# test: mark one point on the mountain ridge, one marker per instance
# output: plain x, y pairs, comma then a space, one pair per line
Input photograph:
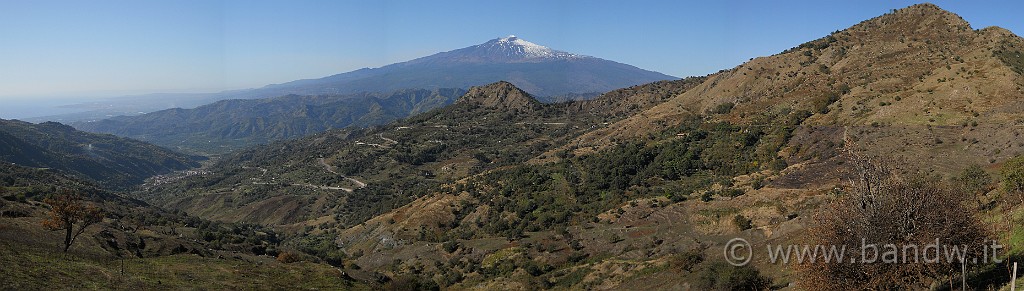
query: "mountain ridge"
231, 124
891, 68
512, 59
110, 161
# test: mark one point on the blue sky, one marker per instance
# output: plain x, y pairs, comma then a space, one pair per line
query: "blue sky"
94, 48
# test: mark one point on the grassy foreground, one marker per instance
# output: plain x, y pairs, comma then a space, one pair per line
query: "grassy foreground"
27, 268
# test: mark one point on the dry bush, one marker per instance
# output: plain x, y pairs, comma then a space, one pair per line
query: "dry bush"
882, 207
288, 257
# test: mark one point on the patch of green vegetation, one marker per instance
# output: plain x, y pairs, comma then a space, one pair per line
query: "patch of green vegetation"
322, 246
1017, 240
1013, 175
499, 255
506, 261
1011, 56
742, 222
708, 152
723, 276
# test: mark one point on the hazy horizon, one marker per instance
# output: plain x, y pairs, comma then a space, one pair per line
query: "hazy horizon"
67, 52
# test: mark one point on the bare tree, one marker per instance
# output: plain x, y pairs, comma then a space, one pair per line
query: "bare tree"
68, 209
880, 207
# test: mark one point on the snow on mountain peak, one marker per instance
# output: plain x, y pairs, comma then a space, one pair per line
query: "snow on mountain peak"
509, 49
517, 47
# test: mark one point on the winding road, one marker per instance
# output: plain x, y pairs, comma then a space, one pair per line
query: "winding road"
329, 168
308, 185
381, 135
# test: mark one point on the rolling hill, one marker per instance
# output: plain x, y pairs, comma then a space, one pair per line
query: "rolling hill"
228, 125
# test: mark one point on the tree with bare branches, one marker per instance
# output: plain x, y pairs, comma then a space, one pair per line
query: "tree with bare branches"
68, 209
880, 208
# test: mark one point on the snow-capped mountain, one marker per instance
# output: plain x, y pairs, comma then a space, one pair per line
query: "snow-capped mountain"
509, 49
539, 70
520, 48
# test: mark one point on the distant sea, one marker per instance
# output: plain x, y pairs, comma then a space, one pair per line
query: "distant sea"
22, 109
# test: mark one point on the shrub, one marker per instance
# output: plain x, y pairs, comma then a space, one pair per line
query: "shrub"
707, 196
733, 192
820, 104
757, 183
742, 222
723, 276
450, 246
974, 181
288, 258
777, 164
676, 197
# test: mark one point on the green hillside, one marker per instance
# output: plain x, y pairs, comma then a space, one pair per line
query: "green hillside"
110, 161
